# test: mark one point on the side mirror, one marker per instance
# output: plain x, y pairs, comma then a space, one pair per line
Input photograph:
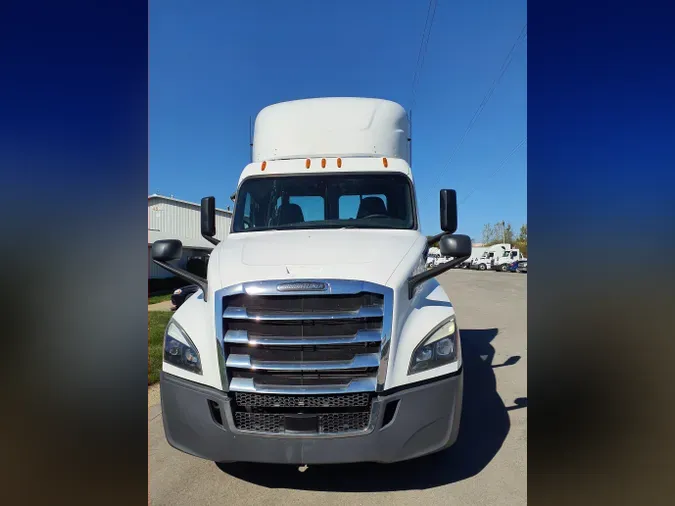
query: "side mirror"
455, 245
167, 250
172, 249
209, 219
449, 211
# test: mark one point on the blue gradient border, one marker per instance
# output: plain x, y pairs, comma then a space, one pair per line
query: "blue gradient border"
74, 158
601, 212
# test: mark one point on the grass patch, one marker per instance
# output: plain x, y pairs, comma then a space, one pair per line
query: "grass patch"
158, 298
157, 322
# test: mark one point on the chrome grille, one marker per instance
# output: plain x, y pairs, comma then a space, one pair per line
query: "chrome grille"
303, 362
274, 339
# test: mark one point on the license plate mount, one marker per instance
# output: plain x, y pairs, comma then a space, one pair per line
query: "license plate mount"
301, 423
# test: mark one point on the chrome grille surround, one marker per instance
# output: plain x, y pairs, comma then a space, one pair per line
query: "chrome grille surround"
269, 288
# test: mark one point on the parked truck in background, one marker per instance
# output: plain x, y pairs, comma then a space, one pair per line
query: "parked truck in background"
433, 255
318, 336
490, 253
504, 261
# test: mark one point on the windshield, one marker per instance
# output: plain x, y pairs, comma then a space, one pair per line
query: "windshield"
326, 201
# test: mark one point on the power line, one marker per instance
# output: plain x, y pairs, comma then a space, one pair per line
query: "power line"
424, 43
488, 95
497, 169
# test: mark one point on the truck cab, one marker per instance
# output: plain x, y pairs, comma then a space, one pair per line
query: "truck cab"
504, 262
484, 262
433, 256
318, 336
489, 256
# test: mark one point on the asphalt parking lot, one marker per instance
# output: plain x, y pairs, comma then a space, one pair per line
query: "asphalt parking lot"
487, 465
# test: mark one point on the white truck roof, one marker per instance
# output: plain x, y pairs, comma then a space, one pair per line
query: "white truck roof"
331, 127
500, 246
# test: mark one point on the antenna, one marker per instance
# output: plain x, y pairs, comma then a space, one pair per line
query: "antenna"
410, 137
250, 138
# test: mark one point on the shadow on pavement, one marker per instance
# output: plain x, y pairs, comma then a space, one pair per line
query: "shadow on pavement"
483, 428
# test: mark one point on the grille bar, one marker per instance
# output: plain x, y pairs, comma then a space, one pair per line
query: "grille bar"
358, 362
242, 337
353, 386
241, 313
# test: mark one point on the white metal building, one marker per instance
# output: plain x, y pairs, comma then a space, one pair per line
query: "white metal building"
170, 218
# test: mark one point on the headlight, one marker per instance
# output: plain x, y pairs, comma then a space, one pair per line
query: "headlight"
179, 350
439, 348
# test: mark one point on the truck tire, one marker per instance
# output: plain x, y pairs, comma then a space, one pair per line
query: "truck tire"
504, 267
481, 267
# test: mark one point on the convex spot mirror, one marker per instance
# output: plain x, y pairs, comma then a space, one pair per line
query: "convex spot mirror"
455, 245
167, 250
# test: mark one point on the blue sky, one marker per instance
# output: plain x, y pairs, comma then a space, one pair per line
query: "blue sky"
213, 64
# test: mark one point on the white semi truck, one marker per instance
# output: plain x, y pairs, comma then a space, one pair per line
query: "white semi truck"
433, 255
489, 256
508, 256
318, 336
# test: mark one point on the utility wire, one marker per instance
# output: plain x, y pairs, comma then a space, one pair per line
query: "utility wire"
488, 95
424, 43
497, 169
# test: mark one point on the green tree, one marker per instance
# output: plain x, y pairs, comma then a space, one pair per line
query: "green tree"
521, 241
508, 234
434, 245
488, 234
502, 232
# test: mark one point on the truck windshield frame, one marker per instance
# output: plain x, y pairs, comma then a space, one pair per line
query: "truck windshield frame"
325, 201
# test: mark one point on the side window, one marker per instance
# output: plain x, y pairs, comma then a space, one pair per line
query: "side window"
247, 212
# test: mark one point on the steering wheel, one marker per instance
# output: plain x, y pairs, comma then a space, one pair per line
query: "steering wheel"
376, 215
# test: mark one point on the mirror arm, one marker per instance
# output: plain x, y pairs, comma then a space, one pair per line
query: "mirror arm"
212, 240
432, 273
435, 238
187, 276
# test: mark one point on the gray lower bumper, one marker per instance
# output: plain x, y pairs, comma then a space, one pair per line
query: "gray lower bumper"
426, 421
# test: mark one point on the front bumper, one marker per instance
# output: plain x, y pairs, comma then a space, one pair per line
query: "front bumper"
426, 420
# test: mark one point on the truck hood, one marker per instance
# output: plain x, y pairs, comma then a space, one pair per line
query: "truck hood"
366, 255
